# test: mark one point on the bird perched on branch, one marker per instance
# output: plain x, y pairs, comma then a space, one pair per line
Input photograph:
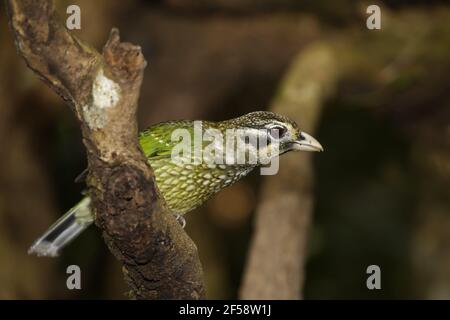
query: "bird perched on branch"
191, 171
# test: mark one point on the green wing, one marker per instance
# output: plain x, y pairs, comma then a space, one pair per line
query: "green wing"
156, 141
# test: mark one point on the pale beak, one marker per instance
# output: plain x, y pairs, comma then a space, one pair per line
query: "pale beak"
307, 143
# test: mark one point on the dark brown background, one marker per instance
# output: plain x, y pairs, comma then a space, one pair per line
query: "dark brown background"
381, 187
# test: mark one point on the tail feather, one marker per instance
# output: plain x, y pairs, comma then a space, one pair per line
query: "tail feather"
63, 231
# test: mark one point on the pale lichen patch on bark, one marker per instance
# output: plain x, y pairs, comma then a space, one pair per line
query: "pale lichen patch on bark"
105, 95
105, 92
94, 117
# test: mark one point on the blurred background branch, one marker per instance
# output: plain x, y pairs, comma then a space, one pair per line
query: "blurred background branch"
275, 267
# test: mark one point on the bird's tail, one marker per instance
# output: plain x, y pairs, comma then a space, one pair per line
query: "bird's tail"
63, 231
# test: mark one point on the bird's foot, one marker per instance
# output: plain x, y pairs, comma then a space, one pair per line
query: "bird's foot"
181, 220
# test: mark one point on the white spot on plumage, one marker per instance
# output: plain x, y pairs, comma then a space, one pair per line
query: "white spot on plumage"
162, 175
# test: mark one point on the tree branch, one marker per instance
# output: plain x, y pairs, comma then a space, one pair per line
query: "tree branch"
159, 260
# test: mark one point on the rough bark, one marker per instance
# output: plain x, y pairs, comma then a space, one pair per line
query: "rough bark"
159, 259
275, 267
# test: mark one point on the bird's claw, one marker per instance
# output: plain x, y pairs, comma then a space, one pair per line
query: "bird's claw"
181, 220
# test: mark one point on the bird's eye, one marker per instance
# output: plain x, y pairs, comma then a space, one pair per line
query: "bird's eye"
277, 132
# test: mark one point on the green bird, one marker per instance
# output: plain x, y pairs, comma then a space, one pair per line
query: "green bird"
187, 179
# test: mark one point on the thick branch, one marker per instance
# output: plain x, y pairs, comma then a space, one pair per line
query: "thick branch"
159, 259
275, 267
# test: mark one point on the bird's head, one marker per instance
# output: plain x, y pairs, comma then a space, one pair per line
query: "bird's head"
277, 130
